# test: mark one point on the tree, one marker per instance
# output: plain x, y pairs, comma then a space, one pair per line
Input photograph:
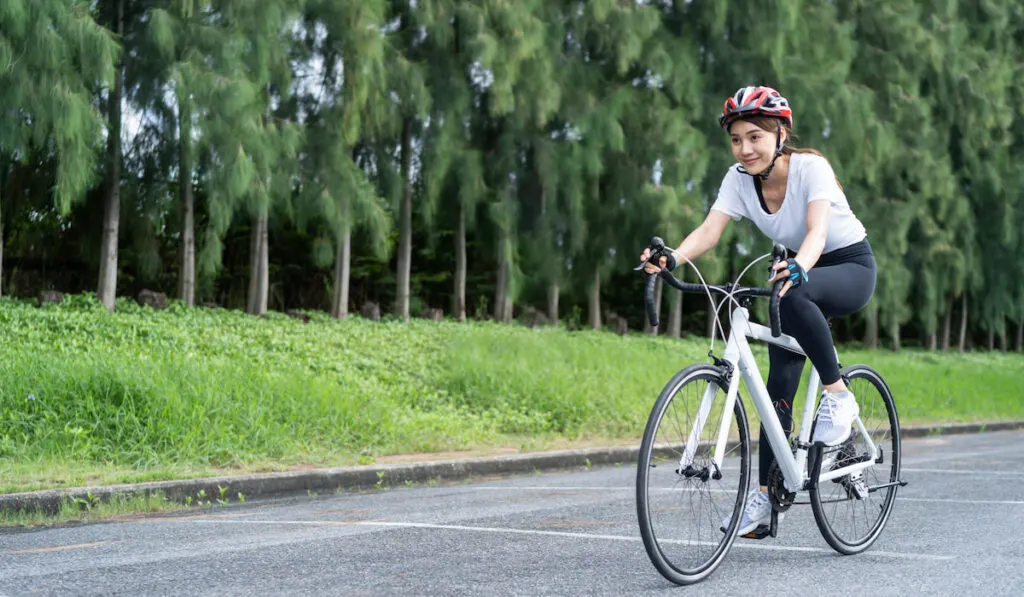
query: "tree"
114, 13
452, 164
410, 101
344, 38
50, 45
174, 77
266, 137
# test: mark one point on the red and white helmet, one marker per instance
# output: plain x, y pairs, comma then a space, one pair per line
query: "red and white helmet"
755, 101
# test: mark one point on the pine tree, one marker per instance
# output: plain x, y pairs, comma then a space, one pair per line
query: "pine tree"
50, 45
177, 53
452, 164
267, 136
344, 39
399, 124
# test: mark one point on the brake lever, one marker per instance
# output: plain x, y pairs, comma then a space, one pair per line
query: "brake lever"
657, 247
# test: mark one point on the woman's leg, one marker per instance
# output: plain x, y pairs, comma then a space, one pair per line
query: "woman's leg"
784, 371
835, 290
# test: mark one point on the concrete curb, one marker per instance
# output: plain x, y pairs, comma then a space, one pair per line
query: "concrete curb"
363, 477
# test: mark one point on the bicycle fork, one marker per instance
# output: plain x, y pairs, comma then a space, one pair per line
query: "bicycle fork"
707, 401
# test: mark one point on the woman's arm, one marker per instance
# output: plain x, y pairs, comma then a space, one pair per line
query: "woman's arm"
811, 248
817, 232
703, 238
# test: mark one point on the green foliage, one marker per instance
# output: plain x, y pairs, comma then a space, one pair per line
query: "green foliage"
52, 56
551, 138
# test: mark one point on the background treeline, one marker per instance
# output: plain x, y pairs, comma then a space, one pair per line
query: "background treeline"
499, 159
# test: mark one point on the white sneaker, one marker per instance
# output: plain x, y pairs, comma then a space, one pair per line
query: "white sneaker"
758, 512
836, 413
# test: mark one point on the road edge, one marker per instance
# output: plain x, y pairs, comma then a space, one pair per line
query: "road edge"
265, 485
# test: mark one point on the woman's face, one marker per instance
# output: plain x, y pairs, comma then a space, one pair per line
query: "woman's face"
752, 146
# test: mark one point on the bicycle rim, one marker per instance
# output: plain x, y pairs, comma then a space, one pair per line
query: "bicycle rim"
849, 519
681, 512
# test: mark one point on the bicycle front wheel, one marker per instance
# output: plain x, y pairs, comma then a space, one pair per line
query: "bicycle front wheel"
684, 498
852, 510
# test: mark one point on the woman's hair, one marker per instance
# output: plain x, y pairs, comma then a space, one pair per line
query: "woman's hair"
772, 124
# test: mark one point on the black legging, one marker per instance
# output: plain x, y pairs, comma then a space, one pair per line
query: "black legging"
841, 283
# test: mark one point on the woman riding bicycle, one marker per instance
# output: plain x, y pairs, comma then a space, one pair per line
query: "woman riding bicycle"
794, 198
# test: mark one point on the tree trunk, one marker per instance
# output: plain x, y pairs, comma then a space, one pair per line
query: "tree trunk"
675, 315
595, 301
187, 281
264, 289
1020, 330
259, 274
990, 340
894, 333
1002, 334
501, 286
342, 269
931, 341
1, 238
963, 324
107, 290
947, 321
657, 309
553, 293
460, 266
405, 216
871, 331
509, 306
254, 252
553, 290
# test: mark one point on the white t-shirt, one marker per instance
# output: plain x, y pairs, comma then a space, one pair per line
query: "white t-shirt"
810, 179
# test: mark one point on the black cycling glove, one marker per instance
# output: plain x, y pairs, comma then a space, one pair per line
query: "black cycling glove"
798, 275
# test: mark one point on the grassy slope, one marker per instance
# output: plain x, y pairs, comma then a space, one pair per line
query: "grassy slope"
88, 396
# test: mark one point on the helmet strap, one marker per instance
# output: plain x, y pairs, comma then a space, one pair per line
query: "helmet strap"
778, 152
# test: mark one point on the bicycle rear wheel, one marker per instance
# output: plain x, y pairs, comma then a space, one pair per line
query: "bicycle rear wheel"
683, 501
852, 510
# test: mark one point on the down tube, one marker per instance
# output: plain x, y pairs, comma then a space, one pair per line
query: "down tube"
769, 420
727, 408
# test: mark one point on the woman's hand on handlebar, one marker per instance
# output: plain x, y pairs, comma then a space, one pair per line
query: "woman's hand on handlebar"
650, 268
791, 271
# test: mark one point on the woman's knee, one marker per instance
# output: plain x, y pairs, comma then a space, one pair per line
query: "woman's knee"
782, 388
794, 306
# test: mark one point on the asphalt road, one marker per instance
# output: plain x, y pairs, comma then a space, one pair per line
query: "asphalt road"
957, 529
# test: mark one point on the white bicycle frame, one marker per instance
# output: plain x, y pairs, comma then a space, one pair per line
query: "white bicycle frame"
739, 356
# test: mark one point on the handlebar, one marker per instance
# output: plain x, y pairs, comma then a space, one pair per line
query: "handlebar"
658, 249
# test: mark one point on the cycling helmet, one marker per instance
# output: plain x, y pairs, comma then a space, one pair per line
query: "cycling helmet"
756, 101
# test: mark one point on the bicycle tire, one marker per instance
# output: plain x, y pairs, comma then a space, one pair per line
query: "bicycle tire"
655, 532
826, 497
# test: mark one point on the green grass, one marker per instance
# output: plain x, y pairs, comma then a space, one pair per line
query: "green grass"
91, 397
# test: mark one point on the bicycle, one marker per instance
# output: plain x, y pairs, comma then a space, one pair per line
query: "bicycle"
710, 458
